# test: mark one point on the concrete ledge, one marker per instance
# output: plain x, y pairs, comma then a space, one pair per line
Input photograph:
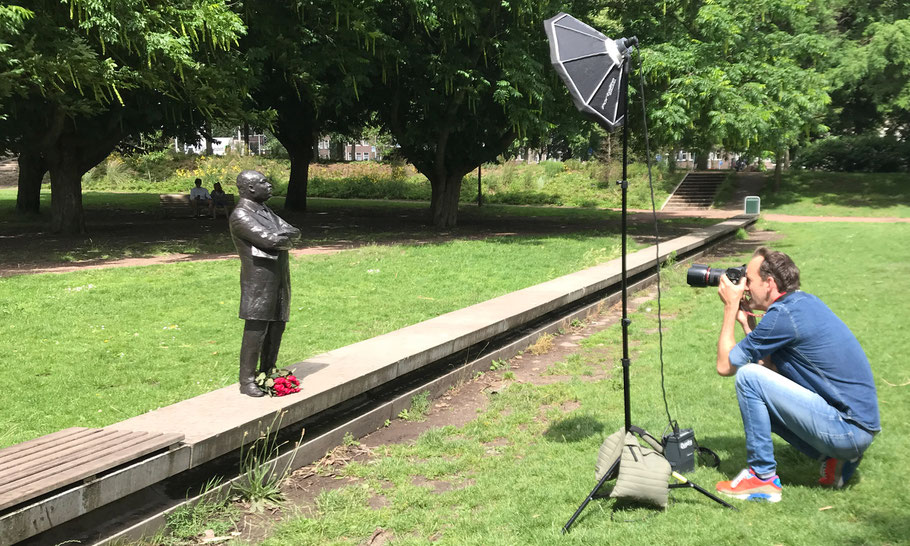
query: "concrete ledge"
221, 421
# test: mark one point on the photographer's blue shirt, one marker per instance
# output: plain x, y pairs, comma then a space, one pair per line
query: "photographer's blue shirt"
812, 347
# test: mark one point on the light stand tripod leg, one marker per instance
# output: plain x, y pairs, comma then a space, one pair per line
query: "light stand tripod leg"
686, 483
591, 495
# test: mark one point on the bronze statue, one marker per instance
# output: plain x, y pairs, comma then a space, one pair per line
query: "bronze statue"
262, 239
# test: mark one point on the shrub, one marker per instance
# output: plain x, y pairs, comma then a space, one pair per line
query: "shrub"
856, 153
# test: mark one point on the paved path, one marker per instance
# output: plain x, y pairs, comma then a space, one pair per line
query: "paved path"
724, 213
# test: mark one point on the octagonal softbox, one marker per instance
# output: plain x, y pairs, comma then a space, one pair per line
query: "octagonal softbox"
591, 66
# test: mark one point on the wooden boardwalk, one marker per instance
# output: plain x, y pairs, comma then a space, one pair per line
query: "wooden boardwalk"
36, 467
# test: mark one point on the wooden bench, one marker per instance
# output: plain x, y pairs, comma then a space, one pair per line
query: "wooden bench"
45, 464
179, 205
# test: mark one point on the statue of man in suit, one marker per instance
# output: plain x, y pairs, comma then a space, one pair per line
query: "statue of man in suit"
262, 239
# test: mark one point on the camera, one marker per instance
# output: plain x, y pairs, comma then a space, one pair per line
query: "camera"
700, 275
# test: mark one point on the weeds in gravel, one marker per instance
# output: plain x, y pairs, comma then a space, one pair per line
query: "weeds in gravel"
188, 522
543, 344
261, 479
420, 404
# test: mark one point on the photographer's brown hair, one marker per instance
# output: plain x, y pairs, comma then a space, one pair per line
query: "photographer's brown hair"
779, 267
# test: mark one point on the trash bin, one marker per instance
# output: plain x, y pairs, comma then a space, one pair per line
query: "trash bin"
753, 204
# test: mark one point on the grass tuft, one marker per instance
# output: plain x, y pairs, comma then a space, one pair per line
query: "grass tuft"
542, 345
420, 405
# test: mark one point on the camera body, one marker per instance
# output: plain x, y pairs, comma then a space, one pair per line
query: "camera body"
700, 275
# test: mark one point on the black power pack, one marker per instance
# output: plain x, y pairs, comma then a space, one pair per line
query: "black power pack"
679, 449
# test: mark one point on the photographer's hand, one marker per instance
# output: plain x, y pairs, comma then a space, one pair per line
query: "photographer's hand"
732, 295
744, 317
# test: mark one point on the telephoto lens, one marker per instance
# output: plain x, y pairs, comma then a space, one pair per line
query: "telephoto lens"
701, 275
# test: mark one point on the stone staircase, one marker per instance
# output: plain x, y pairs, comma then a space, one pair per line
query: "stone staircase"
695, 192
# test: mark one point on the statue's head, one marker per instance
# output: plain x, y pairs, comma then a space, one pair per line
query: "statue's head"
253, 185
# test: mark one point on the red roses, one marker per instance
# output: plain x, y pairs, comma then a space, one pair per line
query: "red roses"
278, 382
286, 385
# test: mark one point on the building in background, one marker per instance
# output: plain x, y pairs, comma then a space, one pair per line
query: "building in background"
362, 150
234, 143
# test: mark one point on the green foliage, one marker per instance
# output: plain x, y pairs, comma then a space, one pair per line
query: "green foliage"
497, 365
349, 441
188, 522
166, 171
420, 405
871, 72
261, 479
462, 80
728, 73
86, 75
856, 153
574, 364
571, 183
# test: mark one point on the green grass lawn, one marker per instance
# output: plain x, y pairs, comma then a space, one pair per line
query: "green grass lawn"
516, 473
809, 193
95, 347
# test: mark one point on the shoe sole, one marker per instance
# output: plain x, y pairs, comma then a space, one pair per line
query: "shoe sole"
755, 497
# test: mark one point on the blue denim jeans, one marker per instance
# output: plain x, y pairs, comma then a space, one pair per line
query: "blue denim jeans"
769, 402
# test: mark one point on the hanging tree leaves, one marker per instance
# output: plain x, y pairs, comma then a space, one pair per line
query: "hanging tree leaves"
88, 73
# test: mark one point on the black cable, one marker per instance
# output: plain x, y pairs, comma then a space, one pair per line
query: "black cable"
660, 329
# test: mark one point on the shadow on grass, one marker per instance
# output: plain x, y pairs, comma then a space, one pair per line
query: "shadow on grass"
793, 467
573, 429
132, 226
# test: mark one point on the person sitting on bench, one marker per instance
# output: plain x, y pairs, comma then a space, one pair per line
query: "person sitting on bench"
220, 200
200, 196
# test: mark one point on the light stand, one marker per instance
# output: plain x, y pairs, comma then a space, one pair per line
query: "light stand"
592, 66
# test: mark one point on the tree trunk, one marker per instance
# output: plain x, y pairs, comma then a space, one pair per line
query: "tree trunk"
444, 200
209, 151
778, 167
32, 167
71, 148
336, 149
299, 179
67, 215
671, 160
701, 161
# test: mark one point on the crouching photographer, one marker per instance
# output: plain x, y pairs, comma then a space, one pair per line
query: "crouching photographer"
800, 373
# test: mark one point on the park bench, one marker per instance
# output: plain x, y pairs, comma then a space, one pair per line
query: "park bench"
179, 205
51, 462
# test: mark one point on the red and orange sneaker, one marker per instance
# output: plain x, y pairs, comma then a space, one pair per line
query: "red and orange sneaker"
747, 486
